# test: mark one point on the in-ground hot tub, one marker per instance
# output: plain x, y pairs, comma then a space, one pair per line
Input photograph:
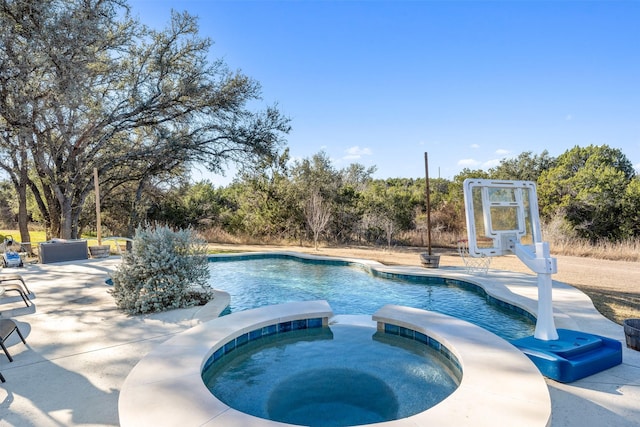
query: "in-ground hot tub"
498, 381
342, 375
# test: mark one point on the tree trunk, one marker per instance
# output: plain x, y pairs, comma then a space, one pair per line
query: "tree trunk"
23, 215
66, 220
23, 218
133, 218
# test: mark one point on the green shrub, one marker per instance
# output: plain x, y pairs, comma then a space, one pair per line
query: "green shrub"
165, 270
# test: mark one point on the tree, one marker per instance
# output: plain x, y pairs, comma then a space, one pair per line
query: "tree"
316, 175
631, 209
526, 167
317, 214
7, 218
587, 186
87, 86
389, 206
265, 201
348, 208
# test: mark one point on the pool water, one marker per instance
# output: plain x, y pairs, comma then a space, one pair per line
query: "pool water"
339, 376
349, 289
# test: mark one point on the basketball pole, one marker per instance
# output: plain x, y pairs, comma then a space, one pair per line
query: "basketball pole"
544, 266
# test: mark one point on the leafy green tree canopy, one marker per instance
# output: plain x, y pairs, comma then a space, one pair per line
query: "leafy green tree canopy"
587, 185
86, 86
526, 167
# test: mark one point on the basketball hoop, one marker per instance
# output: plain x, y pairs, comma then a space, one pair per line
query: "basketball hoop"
505, 214
473, 264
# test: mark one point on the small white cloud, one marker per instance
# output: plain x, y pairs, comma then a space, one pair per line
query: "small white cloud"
568, 117
491, 163
468, 163
475, 146
356, 152
502, 152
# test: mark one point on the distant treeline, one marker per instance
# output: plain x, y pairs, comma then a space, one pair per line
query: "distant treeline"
589, 192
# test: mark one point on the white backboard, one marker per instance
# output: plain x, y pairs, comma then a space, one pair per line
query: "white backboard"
499, 214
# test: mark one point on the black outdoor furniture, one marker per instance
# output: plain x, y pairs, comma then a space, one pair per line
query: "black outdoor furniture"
7, 327
20, 288
59, 250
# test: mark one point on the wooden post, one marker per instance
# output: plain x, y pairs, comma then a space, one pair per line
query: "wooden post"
96, 184
428, 195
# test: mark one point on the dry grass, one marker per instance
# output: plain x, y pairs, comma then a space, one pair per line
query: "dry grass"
615, 305
628, 250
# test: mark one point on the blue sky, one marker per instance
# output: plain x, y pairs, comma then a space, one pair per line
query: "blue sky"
470, 82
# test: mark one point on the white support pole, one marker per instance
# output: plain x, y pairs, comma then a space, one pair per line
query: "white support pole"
544, 265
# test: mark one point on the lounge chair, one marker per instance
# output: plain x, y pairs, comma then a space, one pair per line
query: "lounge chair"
20, 288
2, 380
7, 327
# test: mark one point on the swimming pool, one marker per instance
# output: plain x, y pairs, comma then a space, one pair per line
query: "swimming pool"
266, 279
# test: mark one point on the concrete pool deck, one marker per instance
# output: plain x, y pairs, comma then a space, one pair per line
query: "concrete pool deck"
80, 348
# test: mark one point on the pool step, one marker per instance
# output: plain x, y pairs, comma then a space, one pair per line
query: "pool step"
573, 356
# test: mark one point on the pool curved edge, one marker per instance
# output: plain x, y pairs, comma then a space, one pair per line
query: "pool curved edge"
166, 389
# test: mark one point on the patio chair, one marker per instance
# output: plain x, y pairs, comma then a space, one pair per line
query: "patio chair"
20, 288
7, 327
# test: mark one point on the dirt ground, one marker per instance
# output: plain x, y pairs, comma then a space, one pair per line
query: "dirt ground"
614, 286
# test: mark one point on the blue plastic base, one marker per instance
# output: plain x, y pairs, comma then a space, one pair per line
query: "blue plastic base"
573, 356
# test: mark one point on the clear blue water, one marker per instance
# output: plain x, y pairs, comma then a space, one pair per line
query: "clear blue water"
258, 282
342, 376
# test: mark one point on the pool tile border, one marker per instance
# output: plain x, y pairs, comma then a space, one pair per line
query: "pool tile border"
434, 344
265, 331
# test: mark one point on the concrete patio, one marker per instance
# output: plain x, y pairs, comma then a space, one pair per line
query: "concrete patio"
80, 348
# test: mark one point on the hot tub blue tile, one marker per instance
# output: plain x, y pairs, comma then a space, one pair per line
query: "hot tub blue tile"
391, 329
208, 364
230, 346
255, 334
242, 340
284, 327
434, 344
269, 330
406, 332
299, 324
218, 354
316, 322
419, 336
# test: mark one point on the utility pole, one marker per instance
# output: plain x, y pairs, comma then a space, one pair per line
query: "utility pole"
428, 193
